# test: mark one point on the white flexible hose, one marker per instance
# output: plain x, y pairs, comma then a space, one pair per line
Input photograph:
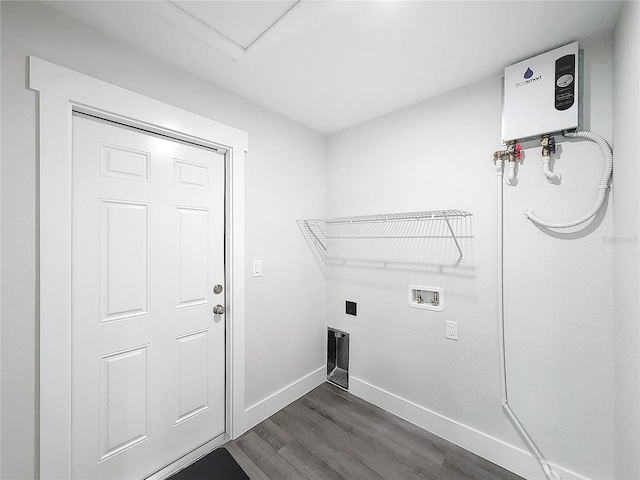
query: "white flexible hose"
603, 186
511, 177
526, 438
552, 177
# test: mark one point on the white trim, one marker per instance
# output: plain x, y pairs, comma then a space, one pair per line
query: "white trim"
512, 458
0, 242
60, 91
299, 15
277, 401
188, 23
235, 295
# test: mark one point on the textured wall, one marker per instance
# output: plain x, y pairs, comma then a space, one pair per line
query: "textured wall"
284, 178
626, 245
559, 296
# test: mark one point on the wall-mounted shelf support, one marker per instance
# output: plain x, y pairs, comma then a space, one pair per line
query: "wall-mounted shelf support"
314, 235
318, 231
453, 235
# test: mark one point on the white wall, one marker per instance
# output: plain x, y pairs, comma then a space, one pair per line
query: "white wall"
559, 296
626, 258
0, 237
433, 155
285, 180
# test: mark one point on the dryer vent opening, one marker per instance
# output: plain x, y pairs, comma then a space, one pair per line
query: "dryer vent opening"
338, 358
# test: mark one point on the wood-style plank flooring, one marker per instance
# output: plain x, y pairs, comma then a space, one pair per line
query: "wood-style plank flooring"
331, 435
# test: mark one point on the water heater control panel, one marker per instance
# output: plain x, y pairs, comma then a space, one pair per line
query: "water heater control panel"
541, 95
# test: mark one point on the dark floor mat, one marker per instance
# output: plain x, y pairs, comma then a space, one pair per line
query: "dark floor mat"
217, 465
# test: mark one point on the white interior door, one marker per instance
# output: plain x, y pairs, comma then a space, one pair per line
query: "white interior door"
148, 353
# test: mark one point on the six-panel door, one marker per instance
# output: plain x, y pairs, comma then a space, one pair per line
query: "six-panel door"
148, 353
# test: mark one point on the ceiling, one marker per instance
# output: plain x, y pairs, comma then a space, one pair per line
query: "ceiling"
330, 65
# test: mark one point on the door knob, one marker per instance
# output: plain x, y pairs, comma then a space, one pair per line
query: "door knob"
218, 310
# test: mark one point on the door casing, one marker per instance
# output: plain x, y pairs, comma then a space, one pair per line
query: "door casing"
62, 91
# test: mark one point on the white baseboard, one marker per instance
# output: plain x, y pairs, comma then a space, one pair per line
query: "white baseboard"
275, 402
514, 459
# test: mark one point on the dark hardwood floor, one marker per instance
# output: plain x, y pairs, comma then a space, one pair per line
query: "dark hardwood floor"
330, 434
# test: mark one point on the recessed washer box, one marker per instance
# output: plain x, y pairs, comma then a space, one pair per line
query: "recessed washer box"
541, 95
426, 298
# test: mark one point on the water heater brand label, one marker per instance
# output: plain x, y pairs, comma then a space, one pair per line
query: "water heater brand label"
540, 95
528, 78
529, 81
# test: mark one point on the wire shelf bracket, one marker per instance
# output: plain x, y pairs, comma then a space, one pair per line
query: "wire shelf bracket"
318, 230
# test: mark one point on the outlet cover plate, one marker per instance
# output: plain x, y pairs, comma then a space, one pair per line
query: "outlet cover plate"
451, 332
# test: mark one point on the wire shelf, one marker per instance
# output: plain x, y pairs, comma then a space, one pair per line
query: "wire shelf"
398, 217
318, 231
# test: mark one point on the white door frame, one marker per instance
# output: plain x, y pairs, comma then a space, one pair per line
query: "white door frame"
60, 92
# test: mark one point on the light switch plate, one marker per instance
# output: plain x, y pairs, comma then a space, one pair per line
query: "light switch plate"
257, 268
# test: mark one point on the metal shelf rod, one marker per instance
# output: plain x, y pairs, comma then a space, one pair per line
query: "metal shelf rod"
461, 259
313, 234
426, 215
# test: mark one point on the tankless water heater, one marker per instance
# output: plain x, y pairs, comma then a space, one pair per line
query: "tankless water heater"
541, 95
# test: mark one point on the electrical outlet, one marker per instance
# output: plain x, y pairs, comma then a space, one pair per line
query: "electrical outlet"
452, 330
